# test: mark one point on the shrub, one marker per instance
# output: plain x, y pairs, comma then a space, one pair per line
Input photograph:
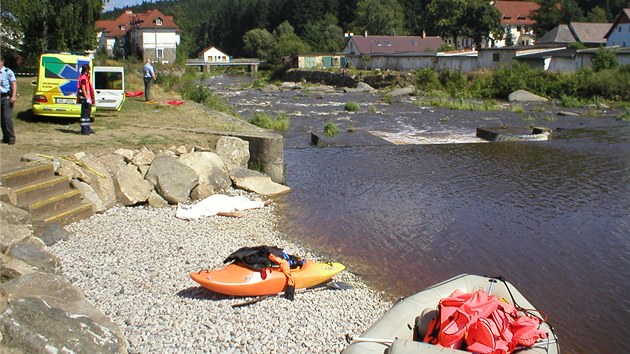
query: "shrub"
261, 119
351, 107
264, 120
331, 129
427, 80
508, 79
605, 59
454, 82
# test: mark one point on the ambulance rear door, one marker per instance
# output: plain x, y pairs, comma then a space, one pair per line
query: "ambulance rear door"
109, 86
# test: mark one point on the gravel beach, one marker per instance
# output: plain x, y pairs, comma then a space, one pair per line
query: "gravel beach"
133, 264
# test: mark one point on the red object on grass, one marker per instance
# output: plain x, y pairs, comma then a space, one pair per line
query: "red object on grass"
134, 93
175, 102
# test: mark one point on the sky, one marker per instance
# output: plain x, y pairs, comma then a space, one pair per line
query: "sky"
122, 4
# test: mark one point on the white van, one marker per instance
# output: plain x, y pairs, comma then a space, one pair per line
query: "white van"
109, 86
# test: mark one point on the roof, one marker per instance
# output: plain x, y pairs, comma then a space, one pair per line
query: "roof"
554, 52
148, 20
624, 17
203, 51
121, 25
559, 34
395, 44
586, 32
516, 12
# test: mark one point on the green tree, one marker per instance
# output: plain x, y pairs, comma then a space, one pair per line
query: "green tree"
53, 24
259, 43
480, 19
552, 13
380, 17
324, 34
446, 17
596, 15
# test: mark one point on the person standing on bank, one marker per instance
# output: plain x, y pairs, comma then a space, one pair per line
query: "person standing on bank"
86, 96
8, 91
149, 75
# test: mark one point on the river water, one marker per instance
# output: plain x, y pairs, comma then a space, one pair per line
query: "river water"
552, 217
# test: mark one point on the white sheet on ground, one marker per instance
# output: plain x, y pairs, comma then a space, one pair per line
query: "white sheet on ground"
214, 204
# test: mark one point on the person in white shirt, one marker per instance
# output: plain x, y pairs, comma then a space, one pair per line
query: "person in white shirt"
149, 75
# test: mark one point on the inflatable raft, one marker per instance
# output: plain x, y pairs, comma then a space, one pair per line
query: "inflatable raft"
238, 280
394, 332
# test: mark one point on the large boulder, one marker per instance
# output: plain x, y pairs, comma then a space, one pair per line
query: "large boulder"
405, 91
46, 314
11, 268
98, 177
129, 185
51, 233
33, 251
15, 224
256, 182
172, 179
233, 151
88, 194
143, 157
212, 172
525, 96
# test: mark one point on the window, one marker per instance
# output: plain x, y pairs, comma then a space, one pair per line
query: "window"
160, 53
507, 17
158, 21
495, 57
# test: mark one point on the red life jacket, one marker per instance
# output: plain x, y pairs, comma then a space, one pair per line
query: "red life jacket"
480, 323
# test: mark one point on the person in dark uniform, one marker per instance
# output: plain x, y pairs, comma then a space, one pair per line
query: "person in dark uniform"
8, 92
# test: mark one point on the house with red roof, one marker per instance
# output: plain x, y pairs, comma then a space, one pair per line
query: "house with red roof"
516, 26
516, 22
619, 33
150, 35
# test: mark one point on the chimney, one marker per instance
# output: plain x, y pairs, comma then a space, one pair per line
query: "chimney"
365, 33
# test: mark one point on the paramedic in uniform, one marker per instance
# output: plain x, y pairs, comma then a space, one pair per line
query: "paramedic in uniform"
86, 98
8, 91
149, 75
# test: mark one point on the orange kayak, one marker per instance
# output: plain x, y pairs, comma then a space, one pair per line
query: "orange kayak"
238, 280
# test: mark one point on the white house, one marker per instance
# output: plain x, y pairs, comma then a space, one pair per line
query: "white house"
149, 35
213, 55
516, 22
619, 33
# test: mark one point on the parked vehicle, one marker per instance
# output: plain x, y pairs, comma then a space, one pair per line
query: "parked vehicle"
57, 82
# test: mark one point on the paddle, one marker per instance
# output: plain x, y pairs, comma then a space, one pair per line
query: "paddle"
335, 285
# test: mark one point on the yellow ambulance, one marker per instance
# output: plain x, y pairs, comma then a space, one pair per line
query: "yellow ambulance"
57, 83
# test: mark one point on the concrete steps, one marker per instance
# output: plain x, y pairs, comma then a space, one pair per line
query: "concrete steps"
48, 197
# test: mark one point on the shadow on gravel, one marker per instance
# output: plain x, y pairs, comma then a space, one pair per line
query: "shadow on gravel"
198, 292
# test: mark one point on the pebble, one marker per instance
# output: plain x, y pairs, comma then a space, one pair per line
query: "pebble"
133, 264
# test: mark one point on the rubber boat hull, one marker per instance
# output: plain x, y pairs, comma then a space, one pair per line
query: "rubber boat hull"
395, 337
238, 280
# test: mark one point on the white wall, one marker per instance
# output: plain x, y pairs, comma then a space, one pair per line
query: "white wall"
215, 55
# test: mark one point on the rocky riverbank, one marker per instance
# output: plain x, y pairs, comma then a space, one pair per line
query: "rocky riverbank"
133, 263
118, 282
